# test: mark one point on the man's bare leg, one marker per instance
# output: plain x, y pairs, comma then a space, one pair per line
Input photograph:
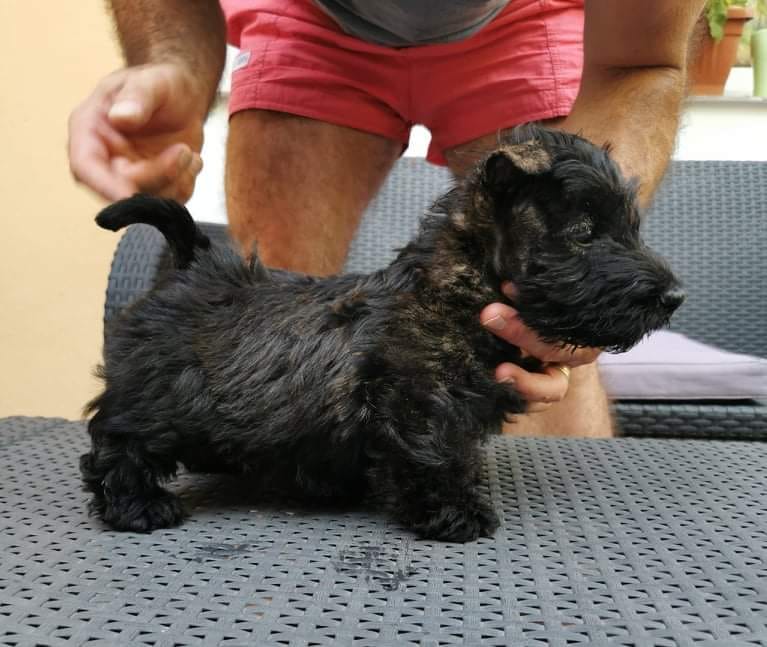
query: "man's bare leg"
585, 410
297, 187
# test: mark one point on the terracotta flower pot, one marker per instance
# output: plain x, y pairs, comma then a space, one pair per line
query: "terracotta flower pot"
716, 59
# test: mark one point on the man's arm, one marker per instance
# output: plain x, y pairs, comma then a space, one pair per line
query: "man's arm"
188, 33
141, 128
636, 55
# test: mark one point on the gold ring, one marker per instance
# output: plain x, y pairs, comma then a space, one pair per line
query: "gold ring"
565, 370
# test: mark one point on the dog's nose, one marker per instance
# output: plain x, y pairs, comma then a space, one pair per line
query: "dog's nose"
672, 298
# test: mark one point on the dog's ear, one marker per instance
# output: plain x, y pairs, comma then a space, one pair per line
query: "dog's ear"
514, 163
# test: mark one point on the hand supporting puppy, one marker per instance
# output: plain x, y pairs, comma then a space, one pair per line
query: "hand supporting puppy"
539, 389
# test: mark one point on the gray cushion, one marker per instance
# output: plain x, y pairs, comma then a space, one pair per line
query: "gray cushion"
670, 366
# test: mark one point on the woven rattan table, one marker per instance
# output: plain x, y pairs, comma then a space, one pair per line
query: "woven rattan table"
614, 542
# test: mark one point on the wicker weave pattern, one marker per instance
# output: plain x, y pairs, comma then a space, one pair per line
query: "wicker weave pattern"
134, 267
625, 542
709, 220
725, 420
392, 217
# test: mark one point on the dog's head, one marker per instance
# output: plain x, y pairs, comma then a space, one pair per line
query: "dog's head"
566, 233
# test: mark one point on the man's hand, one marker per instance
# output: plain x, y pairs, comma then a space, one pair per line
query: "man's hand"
539, 389
140, 131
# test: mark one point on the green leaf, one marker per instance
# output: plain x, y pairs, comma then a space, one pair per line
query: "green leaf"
716, 14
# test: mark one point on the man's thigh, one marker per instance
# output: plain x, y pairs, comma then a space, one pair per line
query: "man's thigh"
315, 127
296, 187
523, 66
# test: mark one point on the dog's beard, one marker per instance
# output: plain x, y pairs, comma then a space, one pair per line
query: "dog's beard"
596, 299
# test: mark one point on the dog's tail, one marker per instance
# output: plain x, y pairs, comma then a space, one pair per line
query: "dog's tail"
171, 218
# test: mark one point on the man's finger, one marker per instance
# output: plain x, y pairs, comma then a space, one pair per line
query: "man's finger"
509, 289
89, 165
89, 144
141, 94
101, 180
186, 182
108, 185
549, 386
182, 189
155, 175
172, 175
116, 142
504, 322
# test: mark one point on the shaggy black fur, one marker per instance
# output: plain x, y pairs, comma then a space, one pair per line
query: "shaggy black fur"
379, 384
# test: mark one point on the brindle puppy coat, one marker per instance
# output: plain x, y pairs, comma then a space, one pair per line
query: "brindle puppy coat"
379, 384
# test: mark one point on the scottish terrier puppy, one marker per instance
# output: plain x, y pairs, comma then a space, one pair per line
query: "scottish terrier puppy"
379, 384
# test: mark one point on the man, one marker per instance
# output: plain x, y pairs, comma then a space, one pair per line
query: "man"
323, 96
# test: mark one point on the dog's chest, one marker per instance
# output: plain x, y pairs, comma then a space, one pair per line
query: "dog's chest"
439, 346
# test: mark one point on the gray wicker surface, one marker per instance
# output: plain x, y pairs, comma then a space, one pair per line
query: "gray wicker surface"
624, 542
392, 217
136, 261
727, 420
709, 220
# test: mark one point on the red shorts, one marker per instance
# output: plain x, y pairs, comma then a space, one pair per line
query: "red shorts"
523, 66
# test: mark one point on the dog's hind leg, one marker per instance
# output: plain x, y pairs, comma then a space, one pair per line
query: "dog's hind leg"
434, 485
124, 469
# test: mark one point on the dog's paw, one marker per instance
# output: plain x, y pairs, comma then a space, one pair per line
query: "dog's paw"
138, 514
459, 523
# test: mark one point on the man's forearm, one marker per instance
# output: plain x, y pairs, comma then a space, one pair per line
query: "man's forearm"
637, 55
191, 33
636, 112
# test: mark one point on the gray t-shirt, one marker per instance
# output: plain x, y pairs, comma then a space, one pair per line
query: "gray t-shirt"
407, 23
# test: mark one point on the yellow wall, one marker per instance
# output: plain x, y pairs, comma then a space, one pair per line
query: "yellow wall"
54, 261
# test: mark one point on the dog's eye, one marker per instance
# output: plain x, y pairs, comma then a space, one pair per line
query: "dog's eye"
580, 232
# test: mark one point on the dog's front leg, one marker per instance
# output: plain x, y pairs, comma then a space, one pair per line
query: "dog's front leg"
434, 482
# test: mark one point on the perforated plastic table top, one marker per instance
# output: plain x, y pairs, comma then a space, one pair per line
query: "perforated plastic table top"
613, 542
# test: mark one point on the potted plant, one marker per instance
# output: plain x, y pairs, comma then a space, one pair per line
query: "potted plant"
759, 49
725, 20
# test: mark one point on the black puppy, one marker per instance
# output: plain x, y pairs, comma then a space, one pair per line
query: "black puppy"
382, 383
